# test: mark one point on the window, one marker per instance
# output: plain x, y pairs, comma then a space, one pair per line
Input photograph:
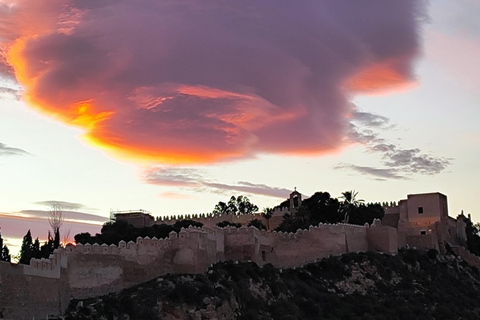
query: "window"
423, 232
420, 210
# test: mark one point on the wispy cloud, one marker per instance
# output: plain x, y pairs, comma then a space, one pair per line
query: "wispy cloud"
10, 151
14, 225
178, 177
247, 187
175, 195
193, 179
69, 216
399, 163
383, 174
10, 92
64, 205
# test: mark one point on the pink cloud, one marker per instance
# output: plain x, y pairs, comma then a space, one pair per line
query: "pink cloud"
15, 225
194, 82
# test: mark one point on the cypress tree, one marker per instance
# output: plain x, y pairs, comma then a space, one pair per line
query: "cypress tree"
4, 252
26, 252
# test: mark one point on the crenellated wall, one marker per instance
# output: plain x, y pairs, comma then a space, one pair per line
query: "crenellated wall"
32, 291
83, 271
210, 220
95, 269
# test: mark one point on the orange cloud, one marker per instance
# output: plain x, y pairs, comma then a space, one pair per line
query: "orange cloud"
381, 78
159, 81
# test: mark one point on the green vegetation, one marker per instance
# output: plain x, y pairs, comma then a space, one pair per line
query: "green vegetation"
322, 208
473, 239
115, 231
238, 205
227, 223
267, 214
257, 224
32, 249
410, 285
4, 252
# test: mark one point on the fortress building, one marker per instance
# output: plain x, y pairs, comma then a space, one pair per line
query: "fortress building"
47, 285
422, 221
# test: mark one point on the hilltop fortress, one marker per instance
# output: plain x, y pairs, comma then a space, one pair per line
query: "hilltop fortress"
46, 286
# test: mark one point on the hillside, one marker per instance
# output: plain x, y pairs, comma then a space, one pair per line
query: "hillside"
411, 285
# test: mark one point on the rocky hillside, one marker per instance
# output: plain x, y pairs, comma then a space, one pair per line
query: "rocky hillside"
410, 285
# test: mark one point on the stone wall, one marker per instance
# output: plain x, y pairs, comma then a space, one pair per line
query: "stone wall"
23, 296
210, 220
466, 255
96, 270
45, 286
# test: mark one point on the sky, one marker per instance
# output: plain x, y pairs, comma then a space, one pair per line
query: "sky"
171, 106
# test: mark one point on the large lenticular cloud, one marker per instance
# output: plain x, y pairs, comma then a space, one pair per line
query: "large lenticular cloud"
189, 81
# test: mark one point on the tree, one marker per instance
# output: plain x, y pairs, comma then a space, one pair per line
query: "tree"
245, 206
220, 208
115, 231
238, 205
186, 223
56, 218
26, 250
4, 252
83, 238
366, 213
267, 214
226, 223
257, 224
350, 201
473, 239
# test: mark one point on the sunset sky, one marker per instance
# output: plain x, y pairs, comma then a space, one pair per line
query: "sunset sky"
173, 105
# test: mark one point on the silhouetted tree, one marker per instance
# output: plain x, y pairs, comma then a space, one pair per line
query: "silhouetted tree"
185, 224
257, 224
26, 250
473, 239
220, 208
321, 208
55, 216
366, 213
267, 214
115, 231
4, 252
350, 202
226, 223
238, 205
83, 238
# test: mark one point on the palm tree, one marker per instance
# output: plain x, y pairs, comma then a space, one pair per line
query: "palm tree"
350, 201
267, 214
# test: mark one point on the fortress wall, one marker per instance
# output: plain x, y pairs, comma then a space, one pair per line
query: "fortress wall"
356, 242
382, 239
293, 249
428, 241
241, 243
305, 246
211, 220
100, 269
96, 270
49, 268
466, 255
22, 296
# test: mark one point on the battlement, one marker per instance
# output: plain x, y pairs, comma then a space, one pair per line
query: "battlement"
50, 267
146, 245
